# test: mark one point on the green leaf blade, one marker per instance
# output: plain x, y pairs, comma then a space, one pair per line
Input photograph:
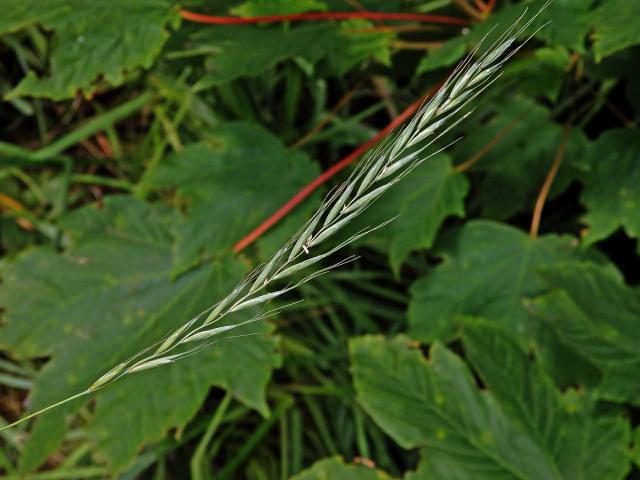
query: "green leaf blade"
520, 427
612, 190
436, 404
423, 200
488, 271
91, 40
115, 297
595, 313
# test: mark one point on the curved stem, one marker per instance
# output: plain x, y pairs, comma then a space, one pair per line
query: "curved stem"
319, 16
548, 181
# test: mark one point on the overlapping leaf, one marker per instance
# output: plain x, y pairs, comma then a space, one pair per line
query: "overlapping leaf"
355, 42
572, 24
595, 313
106, 297
520, 429
567, 23
612, 190
488, 270
581, 443
92, 40
454, 49
614, 28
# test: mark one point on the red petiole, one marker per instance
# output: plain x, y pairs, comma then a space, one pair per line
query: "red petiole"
316, 16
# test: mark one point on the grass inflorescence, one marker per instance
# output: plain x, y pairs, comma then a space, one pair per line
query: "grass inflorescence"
379, 170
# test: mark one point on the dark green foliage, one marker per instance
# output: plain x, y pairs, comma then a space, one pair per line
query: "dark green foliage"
521, 428
91, 40
612, 189
489, 270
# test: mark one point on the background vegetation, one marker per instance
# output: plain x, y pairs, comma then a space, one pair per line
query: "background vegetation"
492, 331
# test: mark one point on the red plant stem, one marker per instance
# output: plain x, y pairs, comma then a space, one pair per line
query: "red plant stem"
481, 5
415, 17
327, 174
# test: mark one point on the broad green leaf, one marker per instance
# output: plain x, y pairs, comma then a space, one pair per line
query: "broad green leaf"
612, 190
582, 445
615, 28
247, 51
231, 187
488, 270
565, 364
595, 313
106, 297
470, 433
518, 383
517, 165
335, 469
566, 23
436, 404
99, 39
252, 8
423, 199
